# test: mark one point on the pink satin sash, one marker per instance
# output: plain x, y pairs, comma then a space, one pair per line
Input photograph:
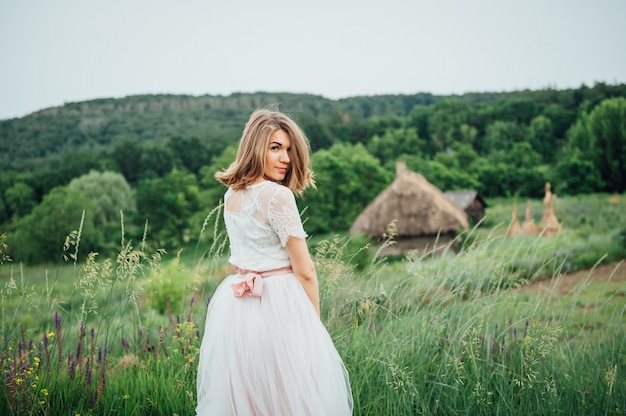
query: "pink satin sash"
252, 283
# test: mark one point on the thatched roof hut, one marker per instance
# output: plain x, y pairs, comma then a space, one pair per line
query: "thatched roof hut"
418, 208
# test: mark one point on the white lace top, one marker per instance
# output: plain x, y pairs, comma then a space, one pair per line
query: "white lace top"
259, 221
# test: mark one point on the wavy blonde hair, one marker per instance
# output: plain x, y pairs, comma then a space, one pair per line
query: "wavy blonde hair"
249, 163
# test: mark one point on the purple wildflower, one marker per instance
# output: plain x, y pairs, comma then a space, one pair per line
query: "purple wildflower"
526, 329
79, 348
88, 373
169, 311
71, 365
57, 326
193, 299
125, 345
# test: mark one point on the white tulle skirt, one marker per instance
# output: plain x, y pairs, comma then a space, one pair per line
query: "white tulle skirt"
269, 355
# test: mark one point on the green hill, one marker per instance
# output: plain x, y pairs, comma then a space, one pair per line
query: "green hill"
99, 125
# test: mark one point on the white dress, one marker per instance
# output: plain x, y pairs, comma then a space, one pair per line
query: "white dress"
269, 355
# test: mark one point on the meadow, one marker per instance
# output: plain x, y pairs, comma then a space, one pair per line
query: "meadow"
423, 334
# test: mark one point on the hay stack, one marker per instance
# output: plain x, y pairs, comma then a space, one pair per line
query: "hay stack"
549, 226
514, 227
528, 226
417, 206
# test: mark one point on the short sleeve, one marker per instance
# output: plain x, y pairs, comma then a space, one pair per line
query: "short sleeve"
283, 216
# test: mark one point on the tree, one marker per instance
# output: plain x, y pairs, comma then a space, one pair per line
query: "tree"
168, 204
501, 179
127, 156
601, 136
560, 119
519, 111
465, 155
446, 121
213, 190
156, 161
75, 164
607, 125
348, 178
420, 119
448, 178
501, 135
542, 139
4, 211
468, 134
189, 154
40, 235
522, 155
394, 143
317, 133
579, 135
20, 199
577, 175
110, 194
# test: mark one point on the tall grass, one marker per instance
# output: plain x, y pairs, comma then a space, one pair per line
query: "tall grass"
452, 337
449, 334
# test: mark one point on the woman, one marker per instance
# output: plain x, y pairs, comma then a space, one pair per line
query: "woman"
265, 351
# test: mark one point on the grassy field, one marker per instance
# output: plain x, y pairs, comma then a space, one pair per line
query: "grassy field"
454, 334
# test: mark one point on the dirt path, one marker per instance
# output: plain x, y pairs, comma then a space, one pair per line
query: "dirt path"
566, 283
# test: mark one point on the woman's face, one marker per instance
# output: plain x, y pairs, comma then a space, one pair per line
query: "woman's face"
277, 156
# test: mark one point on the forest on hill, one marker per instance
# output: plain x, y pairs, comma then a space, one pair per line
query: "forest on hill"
153, 157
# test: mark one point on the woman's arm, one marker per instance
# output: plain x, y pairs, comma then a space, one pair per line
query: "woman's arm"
304, 269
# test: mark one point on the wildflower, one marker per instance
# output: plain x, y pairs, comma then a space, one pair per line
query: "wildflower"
50, 334
41, 402
37, 360
34, 386
18, 381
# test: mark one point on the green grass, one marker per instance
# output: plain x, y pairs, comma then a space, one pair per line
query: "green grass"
425, 335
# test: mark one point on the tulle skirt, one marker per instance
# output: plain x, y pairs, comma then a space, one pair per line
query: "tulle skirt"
269, 355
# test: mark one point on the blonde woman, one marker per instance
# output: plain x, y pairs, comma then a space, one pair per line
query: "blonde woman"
264, 350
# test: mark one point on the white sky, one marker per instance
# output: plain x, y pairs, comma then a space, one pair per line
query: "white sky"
57, 51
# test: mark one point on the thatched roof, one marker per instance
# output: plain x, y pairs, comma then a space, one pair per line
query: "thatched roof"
417, 206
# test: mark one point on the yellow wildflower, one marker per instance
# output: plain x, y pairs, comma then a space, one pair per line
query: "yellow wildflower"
44, 392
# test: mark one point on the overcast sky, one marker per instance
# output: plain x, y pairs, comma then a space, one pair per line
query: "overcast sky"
57, 51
